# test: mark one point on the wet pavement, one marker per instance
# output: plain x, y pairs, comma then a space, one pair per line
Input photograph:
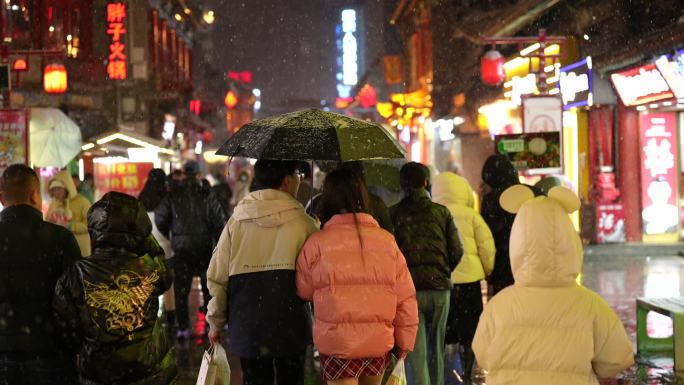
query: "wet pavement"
619, 279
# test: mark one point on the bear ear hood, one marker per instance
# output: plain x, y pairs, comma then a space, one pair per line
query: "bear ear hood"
545, 249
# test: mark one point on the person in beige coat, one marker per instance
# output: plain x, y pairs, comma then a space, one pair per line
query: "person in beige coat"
69, 209
547, 329
477, 263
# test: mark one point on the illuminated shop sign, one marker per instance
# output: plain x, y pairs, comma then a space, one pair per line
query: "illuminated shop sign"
116, 29
659, 173
575, 82
347, 54
673, 72
641, 85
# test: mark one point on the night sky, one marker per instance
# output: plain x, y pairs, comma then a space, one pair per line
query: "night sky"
289, 46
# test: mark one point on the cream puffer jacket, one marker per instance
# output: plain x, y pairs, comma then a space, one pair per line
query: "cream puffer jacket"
76, 205
455, 193
546, 329
364, 299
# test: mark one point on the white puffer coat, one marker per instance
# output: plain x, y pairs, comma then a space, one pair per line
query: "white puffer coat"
455, 193
546, 329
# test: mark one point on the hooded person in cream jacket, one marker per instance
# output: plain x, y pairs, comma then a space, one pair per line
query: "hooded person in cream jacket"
455, 193
251, 278
68, 208
546, 329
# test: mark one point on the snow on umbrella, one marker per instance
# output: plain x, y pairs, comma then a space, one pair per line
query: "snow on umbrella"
314, 135
54, 138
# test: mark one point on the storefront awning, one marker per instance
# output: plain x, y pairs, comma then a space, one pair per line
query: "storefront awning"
125, 139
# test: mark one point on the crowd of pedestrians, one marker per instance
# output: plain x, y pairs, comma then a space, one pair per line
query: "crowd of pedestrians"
362, 282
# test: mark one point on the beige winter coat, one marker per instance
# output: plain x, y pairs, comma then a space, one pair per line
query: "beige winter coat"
455, 193
75, 207
546, 329
265, 233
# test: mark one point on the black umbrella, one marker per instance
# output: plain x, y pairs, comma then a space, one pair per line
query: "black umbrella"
313, 135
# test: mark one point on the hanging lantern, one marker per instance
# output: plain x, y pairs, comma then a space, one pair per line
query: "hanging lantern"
492, 68
55, 79
231, 100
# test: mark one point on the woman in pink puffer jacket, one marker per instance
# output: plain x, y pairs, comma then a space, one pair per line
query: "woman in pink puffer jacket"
363, 295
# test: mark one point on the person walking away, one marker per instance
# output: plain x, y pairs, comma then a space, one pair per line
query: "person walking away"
68, 208
428, 238
306, 188
241, 188
193, 222
154, 190
547, 329
363, 295
499, 174
252, 279
33, 256
378, 208
222, 193
465, 307
107, 304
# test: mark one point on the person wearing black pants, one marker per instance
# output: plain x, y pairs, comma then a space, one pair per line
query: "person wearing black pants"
187, 265
260, 371
193, 219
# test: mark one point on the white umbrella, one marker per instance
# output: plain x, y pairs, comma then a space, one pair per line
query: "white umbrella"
54, 138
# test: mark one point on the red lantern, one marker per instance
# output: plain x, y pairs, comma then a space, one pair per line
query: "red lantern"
492, 68
55, 79
231, 100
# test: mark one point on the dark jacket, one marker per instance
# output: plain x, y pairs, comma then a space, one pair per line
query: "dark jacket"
107, 304
191, 217
499, 174
34, 254
222, 193
428, 238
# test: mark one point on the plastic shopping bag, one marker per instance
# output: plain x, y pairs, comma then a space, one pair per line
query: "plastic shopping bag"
214, 369
398, 376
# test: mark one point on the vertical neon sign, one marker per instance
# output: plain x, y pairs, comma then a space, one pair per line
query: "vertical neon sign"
347, 61
116, 17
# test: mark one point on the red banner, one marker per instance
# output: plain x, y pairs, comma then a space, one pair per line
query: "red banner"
125, 177
658, 136
14, 147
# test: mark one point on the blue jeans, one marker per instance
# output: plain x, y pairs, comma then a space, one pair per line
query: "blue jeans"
426, 361
37, 371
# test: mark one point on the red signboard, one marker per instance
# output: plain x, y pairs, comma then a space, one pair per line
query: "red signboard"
641, 85
14, 147
125, 177
116, 28
659, 173
610, 223
243, 76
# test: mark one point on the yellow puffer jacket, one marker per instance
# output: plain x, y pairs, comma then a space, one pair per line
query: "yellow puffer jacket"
546, 329
455, 193
77, 206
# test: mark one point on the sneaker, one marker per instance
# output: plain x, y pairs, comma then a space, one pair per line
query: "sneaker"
182, 334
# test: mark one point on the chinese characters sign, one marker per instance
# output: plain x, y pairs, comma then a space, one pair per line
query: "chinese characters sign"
641, 85
116, 29
13, 138
575, 83
126, 177
659, 173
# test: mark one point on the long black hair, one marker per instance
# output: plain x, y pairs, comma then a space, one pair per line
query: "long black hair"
344, 191
155, 189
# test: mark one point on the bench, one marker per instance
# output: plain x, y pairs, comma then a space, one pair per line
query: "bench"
673, 308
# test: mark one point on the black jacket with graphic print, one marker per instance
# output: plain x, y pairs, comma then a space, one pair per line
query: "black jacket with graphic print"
107, 303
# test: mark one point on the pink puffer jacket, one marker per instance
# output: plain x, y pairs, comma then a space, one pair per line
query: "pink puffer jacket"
364, 303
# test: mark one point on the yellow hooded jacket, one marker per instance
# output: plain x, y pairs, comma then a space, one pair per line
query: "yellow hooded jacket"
455, 193
75, 204
547, 329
